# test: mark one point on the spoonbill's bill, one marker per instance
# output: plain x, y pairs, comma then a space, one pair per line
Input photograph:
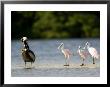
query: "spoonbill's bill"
93, 52
66, 53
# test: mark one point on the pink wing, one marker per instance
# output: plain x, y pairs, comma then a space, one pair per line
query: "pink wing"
85, 53
96, 53
67, 51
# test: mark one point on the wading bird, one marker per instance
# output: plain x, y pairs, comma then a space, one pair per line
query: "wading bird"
93, 52
27, 54
66, 53
83, 54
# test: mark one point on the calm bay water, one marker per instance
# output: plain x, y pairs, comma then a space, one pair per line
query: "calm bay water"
49, 60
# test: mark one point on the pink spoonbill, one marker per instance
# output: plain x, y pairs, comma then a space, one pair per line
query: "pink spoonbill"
83, 54
93, 52
66, 53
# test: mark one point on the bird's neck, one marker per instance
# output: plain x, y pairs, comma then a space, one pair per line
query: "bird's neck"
88, 46
62, 48
79, 50
26, 46
25, 42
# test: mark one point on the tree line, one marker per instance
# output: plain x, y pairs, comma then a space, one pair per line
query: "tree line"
55, 24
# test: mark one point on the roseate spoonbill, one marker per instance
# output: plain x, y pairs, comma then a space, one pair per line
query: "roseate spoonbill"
27, 54
83, 54
66, 53
93, 52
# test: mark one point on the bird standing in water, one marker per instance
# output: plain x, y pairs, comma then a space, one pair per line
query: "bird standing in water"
83, 54
66, 53
27, 54
93, 52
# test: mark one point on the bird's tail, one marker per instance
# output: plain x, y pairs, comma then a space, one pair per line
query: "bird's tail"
98, 57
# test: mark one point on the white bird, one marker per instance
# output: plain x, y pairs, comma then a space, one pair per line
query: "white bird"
83, 54
66, 53
93, 52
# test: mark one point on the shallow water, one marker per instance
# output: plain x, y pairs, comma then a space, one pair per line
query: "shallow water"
50, 61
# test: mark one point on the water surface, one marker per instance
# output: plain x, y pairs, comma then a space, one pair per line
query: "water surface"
49, 60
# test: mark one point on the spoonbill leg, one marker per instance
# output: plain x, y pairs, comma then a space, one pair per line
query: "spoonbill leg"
82, 62
93, 60
67, 60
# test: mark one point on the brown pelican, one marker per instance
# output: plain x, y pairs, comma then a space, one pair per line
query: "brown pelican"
27, 54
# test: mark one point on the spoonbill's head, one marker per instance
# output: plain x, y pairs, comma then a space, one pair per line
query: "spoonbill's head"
79, 47
87, 44
24, 39
61, 45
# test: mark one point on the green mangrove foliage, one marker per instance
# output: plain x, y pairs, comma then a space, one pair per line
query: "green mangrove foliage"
55, 24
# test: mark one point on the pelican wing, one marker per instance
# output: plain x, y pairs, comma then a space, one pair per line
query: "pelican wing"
32, 55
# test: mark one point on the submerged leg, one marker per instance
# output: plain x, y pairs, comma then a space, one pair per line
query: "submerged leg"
31, 64
25, 64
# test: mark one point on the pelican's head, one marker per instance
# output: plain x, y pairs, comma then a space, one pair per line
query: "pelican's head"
61, 45
24, 39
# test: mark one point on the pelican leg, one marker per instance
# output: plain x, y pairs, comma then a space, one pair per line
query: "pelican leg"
93, 60
25, 64
31, 64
